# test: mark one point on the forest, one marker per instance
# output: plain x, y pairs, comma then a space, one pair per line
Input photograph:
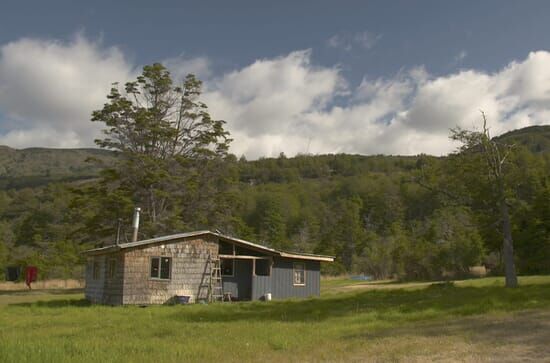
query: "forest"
405, 217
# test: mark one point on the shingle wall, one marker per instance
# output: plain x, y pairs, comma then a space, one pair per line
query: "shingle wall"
189, 271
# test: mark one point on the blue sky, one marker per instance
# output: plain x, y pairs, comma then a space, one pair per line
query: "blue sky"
348, 76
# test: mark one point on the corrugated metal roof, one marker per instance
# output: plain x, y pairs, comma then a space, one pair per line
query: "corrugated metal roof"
122, 246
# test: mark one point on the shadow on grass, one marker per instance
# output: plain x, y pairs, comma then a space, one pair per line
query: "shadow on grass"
42, 291
57, 303
437, 300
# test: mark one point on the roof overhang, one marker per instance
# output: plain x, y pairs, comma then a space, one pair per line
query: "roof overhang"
307, 256
237, 241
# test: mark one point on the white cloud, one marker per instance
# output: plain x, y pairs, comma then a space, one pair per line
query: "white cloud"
348, 41
271, 96
180, 67
461, 56
42, 136
284, 104
49, 89
367, 39
335, 41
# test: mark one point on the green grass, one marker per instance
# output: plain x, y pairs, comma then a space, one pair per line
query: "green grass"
340, 326
331, 286
38, 296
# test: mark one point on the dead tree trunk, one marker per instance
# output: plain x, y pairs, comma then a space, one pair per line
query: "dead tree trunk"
508, 247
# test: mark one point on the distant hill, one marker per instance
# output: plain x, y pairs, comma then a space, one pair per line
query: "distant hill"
37, 166
535, 138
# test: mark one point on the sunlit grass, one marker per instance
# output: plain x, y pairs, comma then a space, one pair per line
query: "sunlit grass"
337, 326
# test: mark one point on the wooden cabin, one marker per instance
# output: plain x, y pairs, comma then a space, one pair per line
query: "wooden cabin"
197, 266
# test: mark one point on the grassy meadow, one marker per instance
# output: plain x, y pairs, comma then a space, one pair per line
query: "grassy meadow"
472, 320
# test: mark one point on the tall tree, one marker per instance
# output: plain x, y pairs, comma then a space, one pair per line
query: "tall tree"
533, 234
486, 162
271, 221
5, 246
168, 146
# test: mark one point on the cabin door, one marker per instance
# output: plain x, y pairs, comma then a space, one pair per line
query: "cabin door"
243, 273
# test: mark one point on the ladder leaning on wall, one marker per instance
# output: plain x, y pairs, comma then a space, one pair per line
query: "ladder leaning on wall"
215, 286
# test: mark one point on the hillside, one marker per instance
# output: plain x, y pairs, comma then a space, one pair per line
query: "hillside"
309, 203
535, 138
38, 166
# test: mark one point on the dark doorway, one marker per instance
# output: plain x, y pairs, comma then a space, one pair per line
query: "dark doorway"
240, 283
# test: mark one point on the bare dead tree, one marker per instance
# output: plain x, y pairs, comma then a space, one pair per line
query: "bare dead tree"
488, 158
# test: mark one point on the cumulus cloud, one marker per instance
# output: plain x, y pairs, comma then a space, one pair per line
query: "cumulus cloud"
283, 104
516, 96
49, 88
271, 97
287, 105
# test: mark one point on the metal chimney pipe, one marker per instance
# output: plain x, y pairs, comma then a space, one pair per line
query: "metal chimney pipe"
118, 231
135, 224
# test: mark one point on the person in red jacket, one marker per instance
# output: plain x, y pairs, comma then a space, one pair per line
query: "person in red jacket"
30, 275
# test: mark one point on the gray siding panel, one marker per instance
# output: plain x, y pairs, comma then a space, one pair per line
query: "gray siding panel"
106, 289
94, 288
112, 291
279, 284
261, 285
282, 279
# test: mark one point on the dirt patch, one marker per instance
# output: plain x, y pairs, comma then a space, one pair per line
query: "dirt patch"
43, 285
519, 337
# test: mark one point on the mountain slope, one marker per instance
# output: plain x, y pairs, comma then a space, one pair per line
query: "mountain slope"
535, 138
37, 166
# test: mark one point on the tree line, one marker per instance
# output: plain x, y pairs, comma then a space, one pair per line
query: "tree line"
416, 217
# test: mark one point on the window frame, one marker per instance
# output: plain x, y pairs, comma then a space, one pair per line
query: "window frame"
158, 277
111, 268
227, 244
96, 270
269, 261
303, 264
232, 267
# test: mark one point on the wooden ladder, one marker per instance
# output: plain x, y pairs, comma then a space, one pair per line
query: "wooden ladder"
215, 288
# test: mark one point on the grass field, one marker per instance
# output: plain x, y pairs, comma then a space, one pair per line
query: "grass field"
473, 320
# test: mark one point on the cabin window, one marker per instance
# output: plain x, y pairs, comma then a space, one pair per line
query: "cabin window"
262, 267
95, 270
299, 274
227, 267
160, 267
226, 248
111, 271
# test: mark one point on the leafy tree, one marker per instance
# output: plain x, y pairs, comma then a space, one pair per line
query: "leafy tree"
533, 235
457, 244
271, 221
306, 236
346, 232
376, 258
169, 150
6, 244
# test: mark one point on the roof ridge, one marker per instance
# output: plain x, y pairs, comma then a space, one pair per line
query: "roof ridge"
145, 242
